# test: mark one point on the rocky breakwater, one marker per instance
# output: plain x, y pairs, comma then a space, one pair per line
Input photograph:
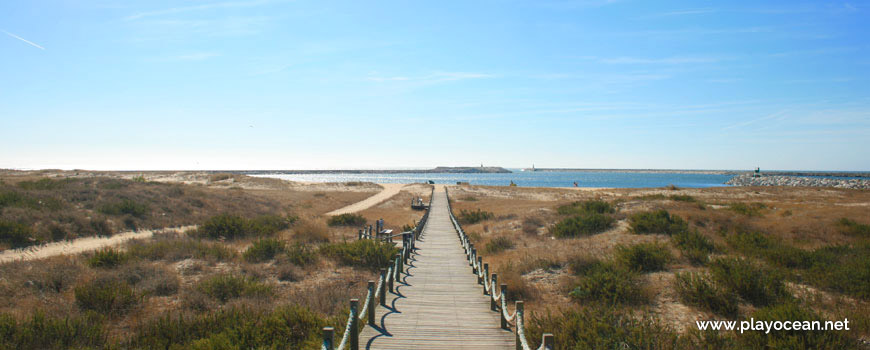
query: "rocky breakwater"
797, 181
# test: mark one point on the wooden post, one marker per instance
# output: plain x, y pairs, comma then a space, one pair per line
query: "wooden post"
383, 294
354, 326
494, 283
360, 234
504, 322
391, 278
485, 276
549, 341
371, 302
328, 338
479, 267
519, 320
473, 254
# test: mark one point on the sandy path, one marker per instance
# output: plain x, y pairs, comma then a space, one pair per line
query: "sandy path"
389, 191
76, 246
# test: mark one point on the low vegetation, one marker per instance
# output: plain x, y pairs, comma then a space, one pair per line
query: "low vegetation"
107, 258
499, 244
753, 282
346, 220
470, 217
644, 257
369, 254
582, 225
585, 207
693, 246
698, 289
228, 226
42, 331
657, 222
264, 250
852, 228
608, 283
224, 287
107, 297
177, 248
751, 209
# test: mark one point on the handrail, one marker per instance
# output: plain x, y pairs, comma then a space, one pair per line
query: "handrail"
388, 277
498, 296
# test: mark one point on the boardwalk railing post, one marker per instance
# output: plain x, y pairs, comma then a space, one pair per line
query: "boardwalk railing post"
485, 276
519, 311
492, 285
354, 325
401, 264
371, 302
383, 294
504, 322
328, 338
359, 236
549, 342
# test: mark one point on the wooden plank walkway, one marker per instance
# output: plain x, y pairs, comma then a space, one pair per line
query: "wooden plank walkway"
439, 305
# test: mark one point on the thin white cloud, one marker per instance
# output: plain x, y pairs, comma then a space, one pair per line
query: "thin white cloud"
209, 6
24, 40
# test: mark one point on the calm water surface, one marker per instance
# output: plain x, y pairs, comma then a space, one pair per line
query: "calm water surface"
528, 179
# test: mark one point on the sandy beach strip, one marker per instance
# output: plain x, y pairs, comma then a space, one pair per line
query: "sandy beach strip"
79, 245
389, 191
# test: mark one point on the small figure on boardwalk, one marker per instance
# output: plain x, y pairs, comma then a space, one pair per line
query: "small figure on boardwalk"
576, 184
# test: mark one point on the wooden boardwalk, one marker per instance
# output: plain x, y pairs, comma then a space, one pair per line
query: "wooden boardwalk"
439, 305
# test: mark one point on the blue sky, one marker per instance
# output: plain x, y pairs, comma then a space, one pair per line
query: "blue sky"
272, 84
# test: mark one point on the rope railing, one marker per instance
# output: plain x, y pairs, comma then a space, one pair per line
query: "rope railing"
496, 292
388, 277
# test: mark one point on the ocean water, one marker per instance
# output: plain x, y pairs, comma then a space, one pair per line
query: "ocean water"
529, 179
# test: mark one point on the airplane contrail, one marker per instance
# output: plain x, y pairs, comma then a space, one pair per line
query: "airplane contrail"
24, 40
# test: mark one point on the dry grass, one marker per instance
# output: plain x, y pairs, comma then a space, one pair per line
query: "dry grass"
524, 215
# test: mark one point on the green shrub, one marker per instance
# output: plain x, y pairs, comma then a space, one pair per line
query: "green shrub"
763, 246
230, 227
582, 225
599, 327
55, 333
693, 246
499, 244
682, 198
469, 217
346, 220
125, 207
107, 297
794, 339
108, 258
267, 225
44, 184
16, 235
177, 249
752, 282
752, 209
264, 249
224, 287
592, 206
659, 221
610, 284
700, 290
852, 228
370, 254
300, 254
644, 257
843, 269
285, 327
224, 226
